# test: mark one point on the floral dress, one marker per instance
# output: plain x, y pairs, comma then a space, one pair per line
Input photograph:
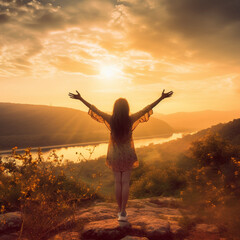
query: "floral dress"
121, 156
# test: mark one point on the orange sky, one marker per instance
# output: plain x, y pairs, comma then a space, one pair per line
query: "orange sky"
109, 49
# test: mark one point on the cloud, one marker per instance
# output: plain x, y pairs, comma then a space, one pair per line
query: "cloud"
4, 18
47, 21
26, 25
185, 40
70, 65
209, 26
207, 29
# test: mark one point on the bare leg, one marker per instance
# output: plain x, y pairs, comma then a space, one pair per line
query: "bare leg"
118, 188
125, 190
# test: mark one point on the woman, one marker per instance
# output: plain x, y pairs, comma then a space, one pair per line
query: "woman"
121, 156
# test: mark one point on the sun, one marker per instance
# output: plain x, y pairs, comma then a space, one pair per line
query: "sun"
109, 71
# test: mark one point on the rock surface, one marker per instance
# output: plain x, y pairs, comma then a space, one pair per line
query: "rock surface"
134, 238
10, 221
10, 236
66, 236
209, 228
151, 218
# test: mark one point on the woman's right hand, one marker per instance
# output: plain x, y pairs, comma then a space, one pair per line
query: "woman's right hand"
75, 96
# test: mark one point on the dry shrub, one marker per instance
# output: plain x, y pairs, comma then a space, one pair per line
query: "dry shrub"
41, 191
213, 189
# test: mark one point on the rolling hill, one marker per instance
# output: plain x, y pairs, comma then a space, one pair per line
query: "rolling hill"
229, 131
176, 149
195, 121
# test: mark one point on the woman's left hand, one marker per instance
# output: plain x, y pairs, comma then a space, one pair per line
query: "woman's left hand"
75, 96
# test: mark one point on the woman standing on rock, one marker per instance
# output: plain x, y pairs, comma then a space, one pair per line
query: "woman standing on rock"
121, 156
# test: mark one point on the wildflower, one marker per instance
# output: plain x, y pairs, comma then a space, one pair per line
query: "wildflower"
2, 209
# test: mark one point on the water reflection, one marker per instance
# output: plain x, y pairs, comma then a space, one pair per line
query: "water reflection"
92, 151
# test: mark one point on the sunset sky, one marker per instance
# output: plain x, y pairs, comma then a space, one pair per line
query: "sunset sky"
109, 49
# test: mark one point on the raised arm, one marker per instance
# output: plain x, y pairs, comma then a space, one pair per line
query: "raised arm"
144, 114
94, 112
164, 95
79, 97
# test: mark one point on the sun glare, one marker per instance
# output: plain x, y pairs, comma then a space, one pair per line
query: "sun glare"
109, 71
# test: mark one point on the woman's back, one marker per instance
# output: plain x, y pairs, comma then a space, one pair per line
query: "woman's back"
121, 155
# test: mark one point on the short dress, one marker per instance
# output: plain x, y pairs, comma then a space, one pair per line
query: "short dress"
121, 156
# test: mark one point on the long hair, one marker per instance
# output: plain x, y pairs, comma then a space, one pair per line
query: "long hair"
120, 121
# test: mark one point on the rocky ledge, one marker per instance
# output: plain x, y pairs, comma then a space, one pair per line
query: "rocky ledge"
151, 218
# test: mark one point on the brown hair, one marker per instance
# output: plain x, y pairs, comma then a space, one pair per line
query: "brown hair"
120, 121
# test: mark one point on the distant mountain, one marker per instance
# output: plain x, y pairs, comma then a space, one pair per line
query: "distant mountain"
26, 125
195, 121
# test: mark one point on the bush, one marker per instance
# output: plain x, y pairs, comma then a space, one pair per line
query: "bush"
213, 189
150, 181
40, 190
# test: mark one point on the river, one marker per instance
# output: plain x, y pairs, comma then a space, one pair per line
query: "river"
90, 150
